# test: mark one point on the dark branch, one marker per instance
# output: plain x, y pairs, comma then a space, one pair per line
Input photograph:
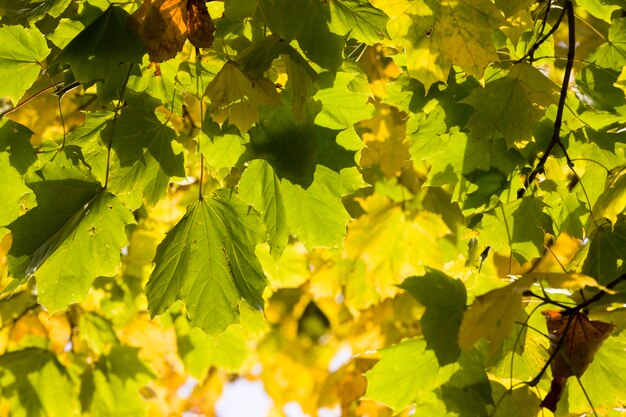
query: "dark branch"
568, 9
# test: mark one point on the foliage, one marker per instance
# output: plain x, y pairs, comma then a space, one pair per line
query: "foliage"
196, 192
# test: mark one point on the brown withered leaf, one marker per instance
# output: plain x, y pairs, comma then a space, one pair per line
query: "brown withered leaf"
165, 25
578, 339
200, 25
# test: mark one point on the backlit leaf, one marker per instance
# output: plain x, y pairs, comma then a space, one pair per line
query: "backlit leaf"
165, 25
446, 33
35, 384
260, 187
99, 50
16, 155
237, 98
22, 52
321, 204
143, 158
112, 386
613, 53
407, 373
207, 260
342, 107
492, 315
509, 106
359, 19
519, 225
376, 238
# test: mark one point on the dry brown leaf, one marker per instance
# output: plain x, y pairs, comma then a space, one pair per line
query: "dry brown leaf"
200, 25
165, 25
578, 339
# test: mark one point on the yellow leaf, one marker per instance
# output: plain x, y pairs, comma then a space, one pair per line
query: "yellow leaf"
492, 315
237, 98
392, 245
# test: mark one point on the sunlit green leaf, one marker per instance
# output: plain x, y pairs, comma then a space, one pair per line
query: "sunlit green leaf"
207, 260
22, 52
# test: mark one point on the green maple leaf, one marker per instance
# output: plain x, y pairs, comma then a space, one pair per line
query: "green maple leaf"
444, 299
73, 217
320, 204
602, 9
97, 52
342, 104
359, 19
613, 201
21, 53
207, 260
35, 384
407, 373
612, 54
440, 34
520, 225
260, 187
306, 21
16, 155
143, 159
199, 351
112, 386
63, 274
519, 402
221, 148
510, 106
605, 259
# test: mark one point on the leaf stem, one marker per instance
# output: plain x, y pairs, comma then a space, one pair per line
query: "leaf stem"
113, 124
34, 96
199, 88
568, 9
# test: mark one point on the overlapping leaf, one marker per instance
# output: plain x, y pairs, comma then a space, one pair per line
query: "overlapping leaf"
359, 19
237, 98
16, 155
144, 157
35, 384
98, 51
520, 225
112, 386
260, 187
444, 298
376, 238
441, 34
509, 106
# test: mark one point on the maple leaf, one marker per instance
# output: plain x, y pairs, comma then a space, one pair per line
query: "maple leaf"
576, 339
165, 25
237, 97
510, 105
376, 238
492, 315
444, 33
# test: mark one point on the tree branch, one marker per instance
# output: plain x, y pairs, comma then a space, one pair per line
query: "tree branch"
568, 8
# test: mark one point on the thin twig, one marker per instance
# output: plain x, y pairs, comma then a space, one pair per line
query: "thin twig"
568, 8
113, 124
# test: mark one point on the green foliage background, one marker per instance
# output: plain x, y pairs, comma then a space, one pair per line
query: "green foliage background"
386, 177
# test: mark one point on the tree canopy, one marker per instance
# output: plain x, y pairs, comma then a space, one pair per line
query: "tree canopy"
374, 207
